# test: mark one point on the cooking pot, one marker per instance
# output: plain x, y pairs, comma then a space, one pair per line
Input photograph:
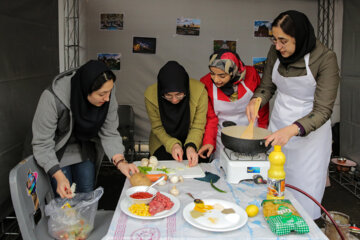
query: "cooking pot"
230, 137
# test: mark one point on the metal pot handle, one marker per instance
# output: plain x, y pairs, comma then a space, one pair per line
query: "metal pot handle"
228, 123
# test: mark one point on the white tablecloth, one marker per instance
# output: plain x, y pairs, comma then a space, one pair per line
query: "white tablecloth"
175, 226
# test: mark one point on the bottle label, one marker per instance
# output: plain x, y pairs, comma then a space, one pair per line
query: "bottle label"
276, 188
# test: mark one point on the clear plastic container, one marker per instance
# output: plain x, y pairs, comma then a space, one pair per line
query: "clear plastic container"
342, 220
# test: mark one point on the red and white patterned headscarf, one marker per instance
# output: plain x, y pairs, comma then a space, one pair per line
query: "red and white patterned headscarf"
230, 63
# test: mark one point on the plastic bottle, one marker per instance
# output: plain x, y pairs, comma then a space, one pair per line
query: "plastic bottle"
276, 174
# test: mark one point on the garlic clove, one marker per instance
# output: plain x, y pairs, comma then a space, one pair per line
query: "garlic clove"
153, 160
174, 179
181, 178
144, 162
174, 191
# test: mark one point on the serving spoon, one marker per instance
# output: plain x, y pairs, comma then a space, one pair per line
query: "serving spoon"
156, 182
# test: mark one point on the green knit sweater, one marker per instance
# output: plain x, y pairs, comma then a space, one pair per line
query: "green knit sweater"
198, 110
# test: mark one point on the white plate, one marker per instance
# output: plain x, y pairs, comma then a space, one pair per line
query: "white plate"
225, 222
125, 204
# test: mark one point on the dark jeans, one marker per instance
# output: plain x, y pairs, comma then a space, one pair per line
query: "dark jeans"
83, 174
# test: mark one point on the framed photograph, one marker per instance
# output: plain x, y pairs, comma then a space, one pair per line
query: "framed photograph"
188, 26
224, 44
259, 63
111, 59
111, 21
144, 45
262, 29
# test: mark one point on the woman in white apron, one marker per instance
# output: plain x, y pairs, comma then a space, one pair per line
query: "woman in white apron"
230, 85
305, 74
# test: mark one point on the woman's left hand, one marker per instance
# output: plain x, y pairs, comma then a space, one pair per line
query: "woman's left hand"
282, 136
192, 156
177, 152
126, 168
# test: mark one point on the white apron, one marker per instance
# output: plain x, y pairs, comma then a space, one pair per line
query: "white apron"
307, 158
230, 111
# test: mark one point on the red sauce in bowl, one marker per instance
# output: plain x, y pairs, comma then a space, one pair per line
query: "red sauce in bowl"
141, 195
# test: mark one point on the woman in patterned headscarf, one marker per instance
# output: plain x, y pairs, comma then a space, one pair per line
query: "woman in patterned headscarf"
230, 85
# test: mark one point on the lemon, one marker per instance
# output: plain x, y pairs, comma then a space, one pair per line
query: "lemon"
252, 210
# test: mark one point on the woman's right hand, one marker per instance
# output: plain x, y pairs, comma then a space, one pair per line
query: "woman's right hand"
127, 168
209, 148
177, 152
63, 185
250, 110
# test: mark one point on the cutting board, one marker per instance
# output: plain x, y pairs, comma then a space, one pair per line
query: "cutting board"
178, 168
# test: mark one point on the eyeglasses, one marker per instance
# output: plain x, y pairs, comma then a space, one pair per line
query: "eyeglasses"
178, 96
282, 42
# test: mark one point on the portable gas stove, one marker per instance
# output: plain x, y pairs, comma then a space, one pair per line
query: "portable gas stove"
239, 166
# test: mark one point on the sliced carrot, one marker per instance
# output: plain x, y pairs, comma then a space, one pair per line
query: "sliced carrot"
154, 177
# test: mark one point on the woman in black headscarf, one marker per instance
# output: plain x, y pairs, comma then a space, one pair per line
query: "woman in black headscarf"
177, 108
306, 76
75, 123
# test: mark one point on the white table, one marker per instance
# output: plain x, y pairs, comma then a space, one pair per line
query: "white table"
175, 226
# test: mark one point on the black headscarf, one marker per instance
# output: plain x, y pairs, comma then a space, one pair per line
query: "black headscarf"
175, 118
88, 118
304, 37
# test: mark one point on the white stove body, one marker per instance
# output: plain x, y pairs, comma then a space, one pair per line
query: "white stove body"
239, 167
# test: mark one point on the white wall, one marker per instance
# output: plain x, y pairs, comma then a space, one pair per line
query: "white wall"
225, 19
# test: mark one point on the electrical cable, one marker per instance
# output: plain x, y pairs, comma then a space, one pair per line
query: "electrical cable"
317, 203
258, 179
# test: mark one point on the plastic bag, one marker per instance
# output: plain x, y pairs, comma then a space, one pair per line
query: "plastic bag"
73, 219
283, 218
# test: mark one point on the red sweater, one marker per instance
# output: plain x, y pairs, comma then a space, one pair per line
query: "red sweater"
252, 81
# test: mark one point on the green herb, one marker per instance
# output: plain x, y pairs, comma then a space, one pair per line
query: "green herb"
214, 187
144, 170
165, 170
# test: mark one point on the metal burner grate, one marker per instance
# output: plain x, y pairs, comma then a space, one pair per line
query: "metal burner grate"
236, 156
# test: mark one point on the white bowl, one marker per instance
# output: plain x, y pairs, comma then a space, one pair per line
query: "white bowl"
136, 189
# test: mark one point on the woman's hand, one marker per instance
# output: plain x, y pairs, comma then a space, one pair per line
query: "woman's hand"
282, 136
124, 167
127, 168
250, 110
209, 148
63, 185
177, 152
192, 156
